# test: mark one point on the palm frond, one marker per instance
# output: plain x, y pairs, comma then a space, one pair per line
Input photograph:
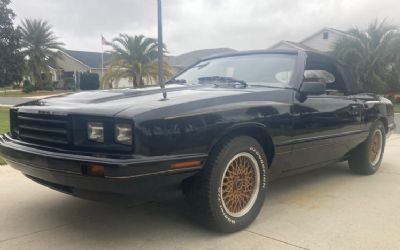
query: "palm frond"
40, 46
370, 52
134, 57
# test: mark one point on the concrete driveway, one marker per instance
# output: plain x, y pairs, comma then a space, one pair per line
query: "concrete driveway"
328, 208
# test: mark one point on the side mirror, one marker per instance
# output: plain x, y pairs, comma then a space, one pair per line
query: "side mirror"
313, 88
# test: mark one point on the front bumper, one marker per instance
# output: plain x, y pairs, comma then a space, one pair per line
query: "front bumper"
64, 171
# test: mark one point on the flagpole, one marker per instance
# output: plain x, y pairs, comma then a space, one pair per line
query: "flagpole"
160, 50
102, 60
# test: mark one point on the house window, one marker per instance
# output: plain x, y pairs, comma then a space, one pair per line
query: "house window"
325, 35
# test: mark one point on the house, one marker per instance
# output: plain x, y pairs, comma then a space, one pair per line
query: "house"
185, 60
321, 41
290, 45
73, 62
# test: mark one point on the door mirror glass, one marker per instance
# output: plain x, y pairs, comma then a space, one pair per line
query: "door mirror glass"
313, 88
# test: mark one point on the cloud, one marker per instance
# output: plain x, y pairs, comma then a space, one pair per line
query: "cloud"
198, 24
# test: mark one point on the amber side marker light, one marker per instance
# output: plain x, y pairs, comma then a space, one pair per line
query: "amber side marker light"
185, 164
94, 170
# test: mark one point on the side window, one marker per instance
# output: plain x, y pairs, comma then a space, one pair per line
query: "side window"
327, 73
320, 75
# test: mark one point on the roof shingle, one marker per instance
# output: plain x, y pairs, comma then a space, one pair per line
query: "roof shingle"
91, 59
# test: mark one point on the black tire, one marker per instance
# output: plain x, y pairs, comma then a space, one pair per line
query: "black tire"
204, 191
360, 161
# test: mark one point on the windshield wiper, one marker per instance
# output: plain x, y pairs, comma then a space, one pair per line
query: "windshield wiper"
177, 81
272, 87
220, 81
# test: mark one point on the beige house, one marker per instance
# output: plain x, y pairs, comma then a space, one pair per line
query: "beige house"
321, 41
73, 62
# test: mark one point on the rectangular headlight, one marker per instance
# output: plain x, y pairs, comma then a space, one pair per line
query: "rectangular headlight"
96, 131
123, 133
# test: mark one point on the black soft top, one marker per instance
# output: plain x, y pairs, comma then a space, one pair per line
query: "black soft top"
348, 79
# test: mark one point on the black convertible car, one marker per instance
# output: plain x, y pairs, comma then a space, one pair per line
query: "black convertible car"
230, 124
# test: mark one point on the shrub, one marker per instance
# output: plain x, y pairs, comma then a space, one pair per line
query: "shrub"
89, 81
48, 86
391, 96
17, 85
397, 100
28, 87
69, 83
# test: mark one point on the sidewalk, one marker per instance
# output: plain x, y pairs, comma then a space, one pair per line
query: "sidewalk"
11, 101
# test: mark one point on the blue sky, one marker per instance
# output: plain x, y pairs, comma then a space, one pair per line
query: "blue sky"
199, 24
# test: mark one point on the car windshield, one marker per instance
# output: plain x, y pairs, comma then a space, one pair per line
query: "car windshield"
269, 70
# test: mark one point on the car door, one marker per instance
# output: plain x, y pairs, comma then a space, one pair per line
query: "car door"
324, 125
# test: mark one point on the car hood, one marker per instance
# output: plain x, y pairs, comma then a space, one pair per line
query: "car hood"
129, 103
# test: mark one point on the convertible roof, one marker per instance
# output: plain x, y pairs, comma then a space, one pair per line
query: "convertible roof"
310, 52
253, 52
348, 79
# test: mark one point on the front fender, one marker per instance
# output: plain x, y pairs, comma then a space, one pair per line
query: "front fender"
240, 127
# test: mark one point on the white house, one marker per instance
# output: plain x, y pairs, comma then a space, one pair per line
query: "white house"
73, 62
321, 41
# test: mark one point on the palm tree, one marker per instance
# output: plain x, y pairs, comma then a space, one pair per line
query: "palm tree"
134, 58
373, 55
40, 47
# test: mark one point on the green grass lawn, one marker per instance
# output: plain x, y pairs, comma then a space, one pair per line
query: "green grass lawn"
4, 124
397, 108
19, 93
4, 120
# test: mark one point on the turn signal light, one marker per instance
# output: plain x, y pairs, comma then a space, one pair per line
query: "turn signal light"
95, 170
186, 164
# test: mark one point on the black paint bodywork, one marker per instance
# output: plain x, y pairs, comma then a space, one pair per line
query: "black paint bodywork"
296, 133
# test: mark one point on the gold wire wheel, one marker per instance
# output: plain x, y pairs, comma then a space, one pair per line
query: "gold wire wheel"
375, 148
240, 184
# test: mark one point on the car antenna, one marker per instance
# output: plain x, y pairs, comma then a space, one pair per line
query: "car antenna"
161, 52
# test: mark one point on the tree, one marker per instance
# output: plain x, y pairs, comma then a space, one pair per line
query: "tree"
11, 59
373, 55
134, 58
40, 48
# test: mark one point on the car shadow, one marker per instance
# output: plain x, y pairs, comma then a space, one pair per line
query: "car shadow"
167, 220
289, 184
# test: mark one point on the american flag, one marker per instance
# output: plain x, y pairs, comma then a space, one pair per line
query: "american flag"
104, 41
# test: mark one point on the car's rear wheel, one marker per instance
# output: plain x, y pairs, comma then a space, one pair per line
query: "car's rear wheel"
366, 158
228, 193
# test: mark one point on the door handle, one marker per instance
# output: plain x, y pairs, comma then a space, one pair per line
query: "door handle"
354, 109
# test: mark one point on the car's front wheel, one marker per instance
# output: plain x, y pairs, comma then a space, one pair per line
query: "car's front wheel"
367, 157
229, 192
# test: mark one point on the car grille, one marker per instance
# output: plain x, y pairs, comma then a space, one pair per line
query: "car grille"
43, 129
